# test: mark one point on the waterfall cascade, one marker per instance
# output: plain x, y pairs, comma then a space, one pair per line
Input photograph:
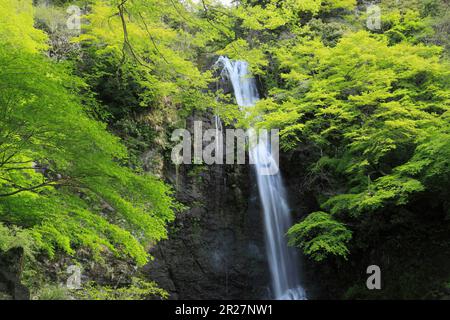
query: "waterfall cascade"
283, 260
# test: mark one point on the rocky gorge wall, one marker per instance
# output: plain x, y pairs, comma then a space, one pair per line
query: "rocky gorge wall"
215, 249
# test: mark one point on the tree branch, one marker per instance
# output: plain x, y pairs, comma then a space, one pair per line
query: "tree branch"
22, 189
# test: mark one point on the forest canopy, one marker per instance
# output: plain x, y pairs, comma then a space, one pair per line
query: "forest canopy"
362, 112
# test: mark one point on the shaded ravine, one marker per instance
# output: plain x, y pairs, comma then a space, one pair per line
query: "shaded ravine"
283, 260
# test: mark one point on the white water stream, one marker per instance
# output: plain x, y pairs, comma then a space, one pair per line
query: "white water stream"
283, 260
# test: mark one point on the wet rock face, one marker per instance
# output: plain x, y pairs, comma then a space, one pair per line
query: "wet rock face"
216, 248
302, 199
11, 265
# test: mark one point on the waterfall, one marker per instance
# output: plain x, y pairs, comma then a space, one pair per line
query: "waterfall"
244, 86
283, 260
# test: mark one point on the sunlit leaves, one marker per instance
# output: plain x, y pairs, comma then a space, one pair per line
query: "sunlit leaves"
62, 177
320, 236
141, 44
377, 115
16, 25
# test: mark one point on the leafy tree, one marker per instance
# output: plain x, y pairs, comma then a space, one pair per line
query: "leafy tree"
319, 235
368, 109
363, 117
62, 176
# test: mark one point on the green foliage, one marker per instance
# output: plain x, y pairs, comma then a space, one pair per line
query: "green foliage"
137, 290
275, 14
366, 115
62, 175
319, 236
52, 292
379, 104
19, 26
241, 50
16, 237
371, 108
415, 21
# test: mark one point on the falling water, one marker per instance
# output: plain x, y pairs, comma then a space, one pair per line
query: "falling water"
283, 260
244, 85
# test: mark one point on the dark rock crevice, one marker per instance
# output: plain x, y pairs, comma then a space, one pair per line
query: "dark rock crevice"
11, 266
